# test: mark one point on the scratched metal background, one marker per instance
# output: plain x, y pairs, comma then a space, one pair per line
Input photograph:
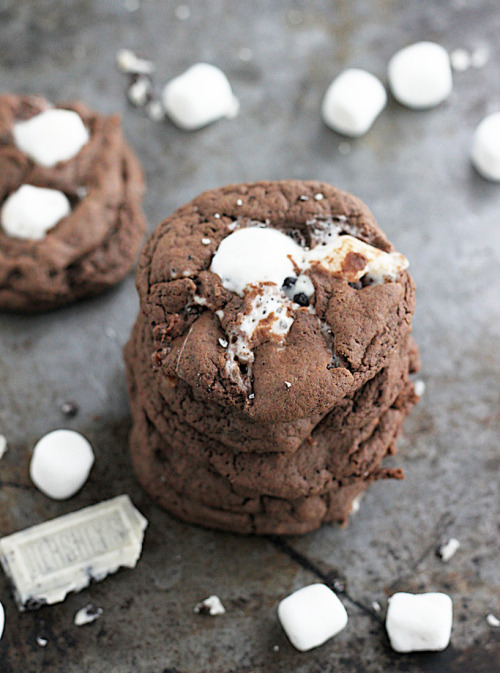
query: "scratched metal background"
413, 169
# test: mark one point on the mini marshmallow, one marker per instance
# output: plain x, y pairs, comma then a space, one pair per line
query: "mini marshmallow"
61, 463
52, 136
353, 101
486, 148
311, 616
351, 259
420, 75
30, 212
199, 96
255, 255
2, 620
419, 622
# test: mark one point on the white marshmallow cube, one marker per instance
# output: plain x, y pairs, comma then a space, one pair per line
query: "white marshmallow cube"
353, 101
419, 622
61, 463
420, 75
486, 148
199, 96
311, 616
2, 619
30, 212
52, 136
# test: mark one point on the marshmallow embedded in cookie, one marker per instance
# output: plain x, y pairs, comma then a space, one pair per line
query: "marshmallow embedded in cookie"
350, 259
199, 96
311, 616
420, 75
353, 101
52, 136
30, 212
486, 148
61, 463
255, 255
419, 622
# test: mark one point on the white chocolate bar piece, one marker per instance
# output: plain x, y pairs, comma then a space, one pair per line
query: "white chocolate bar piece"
47, 561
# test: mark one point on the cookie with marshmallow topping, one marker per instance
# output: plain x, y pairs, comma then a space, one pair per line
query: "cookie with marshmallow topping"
71, 223
354, 307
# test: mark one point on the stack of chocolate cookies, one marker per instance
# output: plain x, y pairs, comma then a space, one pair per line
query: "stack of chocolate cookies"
268, 369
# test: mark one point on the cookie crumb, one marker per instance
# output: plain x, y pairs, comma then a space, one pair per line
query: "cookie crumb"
210, 606
70, 408
419, 387
288, 384
155, 110
492, 620
460, 60
448, 549
251, 396
140, 92
41, 642
223, 343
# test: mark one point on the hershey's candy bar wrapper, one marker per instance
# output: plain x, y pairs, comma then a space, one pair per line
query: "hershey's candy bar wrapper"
47, 561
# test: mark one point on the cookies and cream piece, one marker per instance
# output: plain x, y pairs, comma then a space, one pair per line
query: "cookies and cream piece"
199, 96
351, 259
2, 619
420, 75
52, 136
87, 615
449, 549
419, 622
486, 148
353, 101
30, 212
255, 255
61, 463
47, 561
311, 616
210, 606
129, 63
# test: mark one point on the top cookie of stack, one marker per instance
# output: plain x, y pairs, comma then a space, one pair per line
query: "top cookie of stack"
275, 325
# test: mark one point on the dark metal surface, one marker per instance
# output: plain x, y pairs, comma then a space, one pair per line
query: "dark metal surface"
413, 170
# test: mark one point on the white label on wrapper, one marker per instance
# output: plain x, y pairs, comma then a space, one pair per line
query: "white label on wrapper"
47, 561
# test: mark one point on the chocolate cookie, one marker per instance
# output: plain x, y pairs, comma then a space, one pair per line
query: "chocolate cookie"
92, 225
351, 332
268, 370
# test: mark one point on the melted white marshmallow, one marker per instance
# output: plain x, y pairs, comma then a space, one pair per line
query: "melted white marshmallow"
52, 136
30, 212
420, 75
255, 255
199, 96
